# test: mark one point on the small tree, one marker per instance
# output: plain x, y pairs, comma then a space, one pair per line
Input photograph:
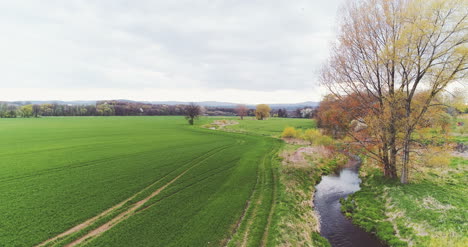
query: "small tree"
192, 112
241, 111
262, 111
26, 111
36, 109
307, 112
282, 113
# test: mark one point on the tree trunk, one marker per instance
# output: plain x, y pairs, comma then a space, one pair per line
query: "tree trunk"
388, 164
406, 159
393, 152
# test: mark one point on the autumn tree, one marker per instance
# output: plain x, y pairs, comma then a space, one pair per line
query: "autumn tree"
242, 111
388, 51
192, 112
335, 115
262, 111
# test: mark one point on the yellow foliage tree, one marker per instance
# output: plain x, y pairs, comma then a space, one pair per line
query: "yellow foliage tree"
262, 111
386, 53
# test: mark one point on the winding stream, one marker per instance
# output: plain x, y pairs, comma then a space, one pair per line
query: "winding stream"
333, 224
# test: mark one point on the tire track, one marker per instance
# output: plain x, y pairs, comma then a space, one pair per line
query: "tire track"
254, 205
217, 171
124, 215
92, 220
273, 202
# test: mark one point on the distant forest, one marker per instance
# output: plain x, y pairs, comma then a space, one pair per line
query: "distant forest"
125, 108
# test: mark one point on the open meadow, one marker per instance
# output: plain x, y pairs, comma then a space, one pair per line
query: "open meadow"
135, 181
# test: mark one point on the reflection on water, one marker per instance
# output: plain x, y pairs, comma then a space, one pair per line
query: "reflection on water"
333, 224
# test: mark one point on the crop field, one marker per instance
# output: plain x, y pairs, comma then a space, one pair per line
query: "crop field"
133, 181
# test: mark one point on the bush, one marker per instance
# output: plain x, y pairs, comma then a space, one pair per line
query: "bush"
315, 137
289, 132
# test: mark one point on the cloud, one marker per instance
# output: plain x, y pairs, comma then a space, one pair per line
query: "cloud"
127, 45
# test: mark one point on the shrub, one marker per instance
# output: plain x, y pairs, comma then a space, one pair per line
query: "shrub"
289, 132
315, 137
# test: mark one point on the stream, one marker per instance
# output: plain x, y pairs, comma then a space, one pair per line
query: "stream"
334, 226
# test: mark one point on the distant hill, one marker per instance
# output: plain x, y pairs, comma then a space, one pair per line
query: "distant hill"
232, 105
203, 103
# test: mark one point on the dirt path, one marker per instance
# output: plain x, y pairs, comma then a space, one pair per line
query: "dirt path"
128, 212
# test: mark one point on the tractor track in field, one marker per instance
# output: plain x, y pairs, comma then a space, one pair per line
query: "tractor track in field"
186, 187
127, 212
272, 208
253, 204
73, 165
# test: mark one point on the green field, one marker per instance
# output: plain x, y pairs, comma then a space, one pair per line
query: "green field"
162, 182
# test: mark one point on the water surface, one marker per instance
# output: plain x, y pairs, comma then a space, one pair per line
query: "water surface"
333, 224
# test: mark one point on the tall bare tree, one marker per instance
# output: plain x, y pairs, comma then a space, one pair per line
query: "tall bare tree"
387, 52
192, 112
242, 111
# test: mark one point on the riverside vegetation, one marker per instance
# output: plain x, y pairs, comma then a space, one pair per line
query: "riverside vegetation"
429, 211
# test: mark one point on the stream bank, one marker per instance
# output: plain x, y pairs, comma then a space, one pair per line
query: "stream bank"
334, 226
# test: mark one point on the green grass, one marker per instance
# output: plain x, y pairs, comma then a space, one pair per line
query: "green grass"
58, 172
272, 127
431, 211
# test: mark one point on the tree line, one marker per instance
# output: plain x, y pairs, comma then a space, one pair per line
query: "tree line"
126, 108
101, 108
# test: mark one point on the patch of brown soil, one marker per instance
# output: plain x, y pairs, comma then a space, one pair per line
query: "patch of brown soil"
222, 123
298, 157
462, 155
296, 141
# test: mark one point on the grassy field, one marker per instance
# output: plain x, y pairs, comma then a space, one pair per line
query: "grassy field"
156, 180
271, 127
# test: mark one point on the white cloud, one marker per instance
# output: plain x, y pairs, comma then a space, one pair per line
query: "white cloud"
194, 46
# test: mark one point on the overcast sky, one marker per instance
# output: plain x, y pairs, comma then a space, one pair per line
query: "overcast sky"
244, 51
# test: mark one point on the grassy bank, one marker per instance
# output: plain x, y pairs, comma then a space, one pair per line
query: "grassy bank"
430, 211
297, 170
297, 223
